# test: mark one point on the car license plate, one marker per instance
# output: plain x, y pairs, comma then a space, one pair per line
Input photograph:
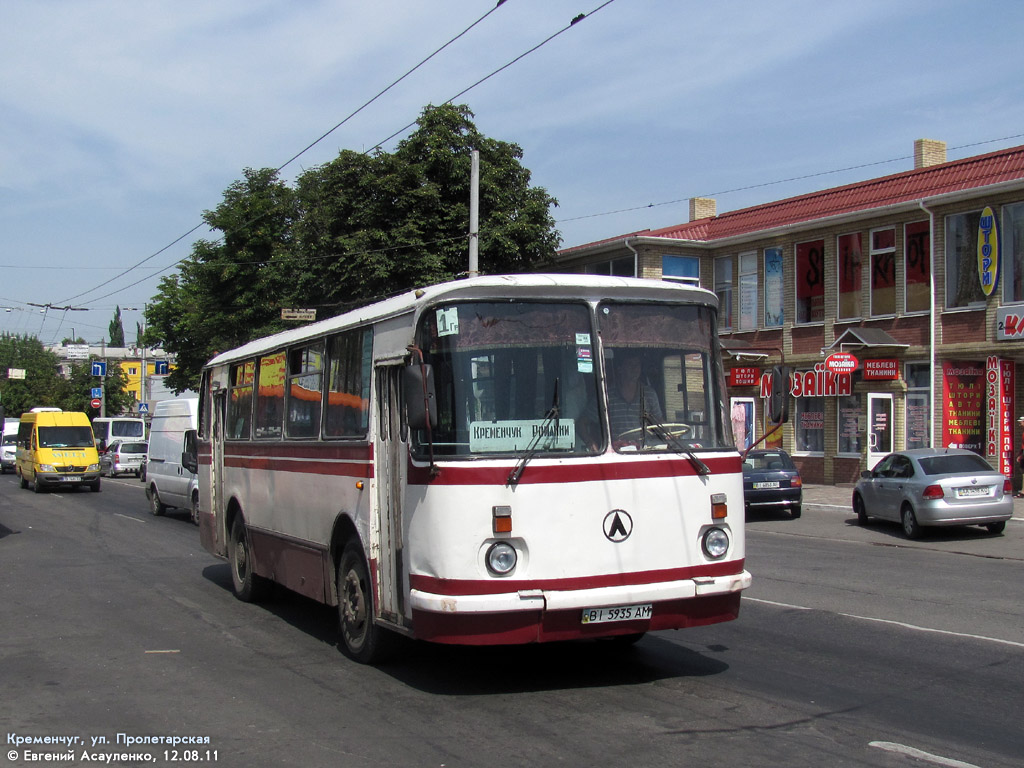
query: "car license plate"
617, 613
71, 479
766, 484
971, 490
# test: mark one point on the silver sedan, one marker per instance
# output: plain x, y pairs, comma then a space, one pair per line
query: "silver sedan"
934, 486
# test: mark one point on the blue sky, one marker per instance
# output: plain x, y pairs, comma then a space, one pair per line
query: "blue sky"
122, 121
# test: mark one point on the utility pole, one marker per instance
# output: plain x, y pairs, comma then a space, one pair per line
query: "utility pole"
474, 214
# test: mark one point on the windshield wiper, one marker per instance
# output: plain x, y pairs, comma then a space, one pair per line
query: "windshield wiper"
661, 431
550, 417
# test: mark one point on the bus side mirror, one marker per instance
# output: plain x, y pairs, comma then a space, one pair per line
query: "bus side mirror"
190, 456
778, 401
420, 396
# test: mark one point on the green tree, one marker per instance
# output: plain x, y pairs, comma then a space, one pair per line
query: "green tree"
356, 229
115, 332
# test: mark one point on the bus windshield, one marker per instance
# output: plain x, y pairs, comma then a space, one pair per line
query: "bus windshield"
524, 376
511, 377
665, 388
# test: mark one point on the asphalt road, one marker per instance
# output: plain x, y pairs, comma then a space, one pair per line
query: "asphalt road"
854, 648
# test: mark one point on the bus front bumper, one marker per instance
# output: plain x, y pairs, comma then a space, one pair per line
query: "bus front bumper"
528, 616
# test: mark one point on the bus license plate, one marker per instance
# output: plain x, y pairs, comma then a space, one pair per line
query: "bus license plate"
617, 613
71, 479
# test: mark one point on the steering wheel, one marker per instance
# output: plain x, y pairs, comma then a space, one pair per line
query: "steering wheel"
635, 434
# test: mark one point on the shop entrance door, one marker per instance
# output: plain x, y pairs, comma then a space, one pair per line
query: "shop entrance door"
880, 427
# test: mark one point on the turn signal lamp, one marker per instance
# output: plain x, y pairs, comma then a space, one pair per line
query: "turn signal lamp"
719, 509
796, 482
501, 519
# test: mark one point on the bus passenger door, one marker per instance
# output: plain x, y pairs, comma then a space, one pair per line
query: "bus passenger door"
217, 471
390, 475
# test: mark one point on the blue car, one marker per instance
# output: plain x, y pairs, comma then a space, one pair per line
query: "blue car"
771, 482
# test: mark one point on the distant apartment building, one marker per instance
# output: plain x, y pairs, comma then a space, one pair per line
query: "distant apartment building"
916, 278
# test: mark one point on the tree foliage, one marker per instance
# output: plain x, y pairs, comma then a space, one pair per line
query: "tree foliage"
115, 331
359, 228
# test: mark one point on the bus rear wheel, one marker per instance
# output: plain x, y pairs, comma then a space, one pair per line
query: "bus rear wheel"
362, 639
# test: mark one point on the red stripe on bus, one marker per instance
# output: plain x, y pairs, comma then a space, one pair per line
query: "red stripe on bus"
588, 472
454, 587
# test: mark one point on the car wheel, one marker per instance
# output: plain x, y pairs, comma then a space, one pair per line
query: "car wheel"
156, 507
95, 487
195, 509
361, 639
37, 486
795, 512
22, 481
859, 508
910, 525
248, 587
996, 528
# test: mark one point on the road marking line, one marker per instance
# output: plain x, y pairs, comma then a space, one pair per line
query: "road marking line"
902, 749
161, 651
903, 624
129, 517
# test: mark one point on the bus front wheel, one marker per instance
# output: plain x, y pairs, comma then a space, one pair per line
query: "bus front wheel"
361, 639
249, 588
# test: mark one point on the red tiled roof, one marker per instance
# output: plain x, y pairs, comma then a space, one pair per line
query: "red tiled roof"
909, 186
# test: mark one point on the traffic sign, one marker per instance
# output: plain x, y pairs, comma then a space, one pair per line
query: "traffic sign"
96, 402
97, 392
143, 407
99, 368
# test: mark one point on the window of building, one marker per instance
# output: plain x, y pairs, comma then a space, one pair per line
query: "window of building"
883, 272
851, 417
962, 285
624, 266
269, 416
848, 248
723, 290
1011, 243
774, 315
240, 401
810, 282
917, 266
348, 394
748, 291
681, 269
133, 371
918, 411
305, 376
809, 427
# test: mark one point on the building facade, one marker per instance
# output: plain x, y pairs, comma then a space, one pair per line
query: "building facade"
897, 302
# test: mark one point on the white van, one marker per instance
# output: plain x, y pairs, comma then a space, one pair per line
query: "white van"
9, 449
168, 483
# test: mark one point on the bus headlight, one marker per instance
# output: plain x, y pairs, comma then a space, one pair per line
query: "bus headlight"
47, 468
501, 558
715, 543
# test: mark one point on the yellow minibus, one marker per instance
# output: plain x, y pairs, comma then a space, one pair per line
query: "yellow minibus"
57, 448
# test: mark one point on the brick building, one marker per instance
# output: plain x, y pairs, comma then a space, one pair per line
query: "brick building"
916, 277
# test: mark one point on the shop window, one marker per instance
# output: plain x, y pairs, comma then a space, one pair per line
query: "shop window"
883, 272
774, 315
851, 417
849, 275
809, 426
810, 282
917, 266
963, 288
748, 291
1011, 243
681, 269
918, 409
723, 290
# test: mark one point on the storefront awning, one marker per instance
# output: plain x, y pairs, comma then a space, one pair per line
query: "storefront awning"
865, 338
738, 349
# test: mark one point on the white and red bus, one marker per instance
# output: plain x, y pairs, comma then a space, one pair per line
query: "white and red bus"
498, 460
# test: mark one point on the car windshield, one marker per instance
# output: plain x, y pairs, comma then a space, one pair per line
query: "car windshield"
10, 439
768, 461
954, 463
126, 429
66, 437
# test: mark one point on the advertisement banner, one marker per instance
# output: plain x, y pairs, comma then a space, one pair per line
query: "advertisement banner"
963, 401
